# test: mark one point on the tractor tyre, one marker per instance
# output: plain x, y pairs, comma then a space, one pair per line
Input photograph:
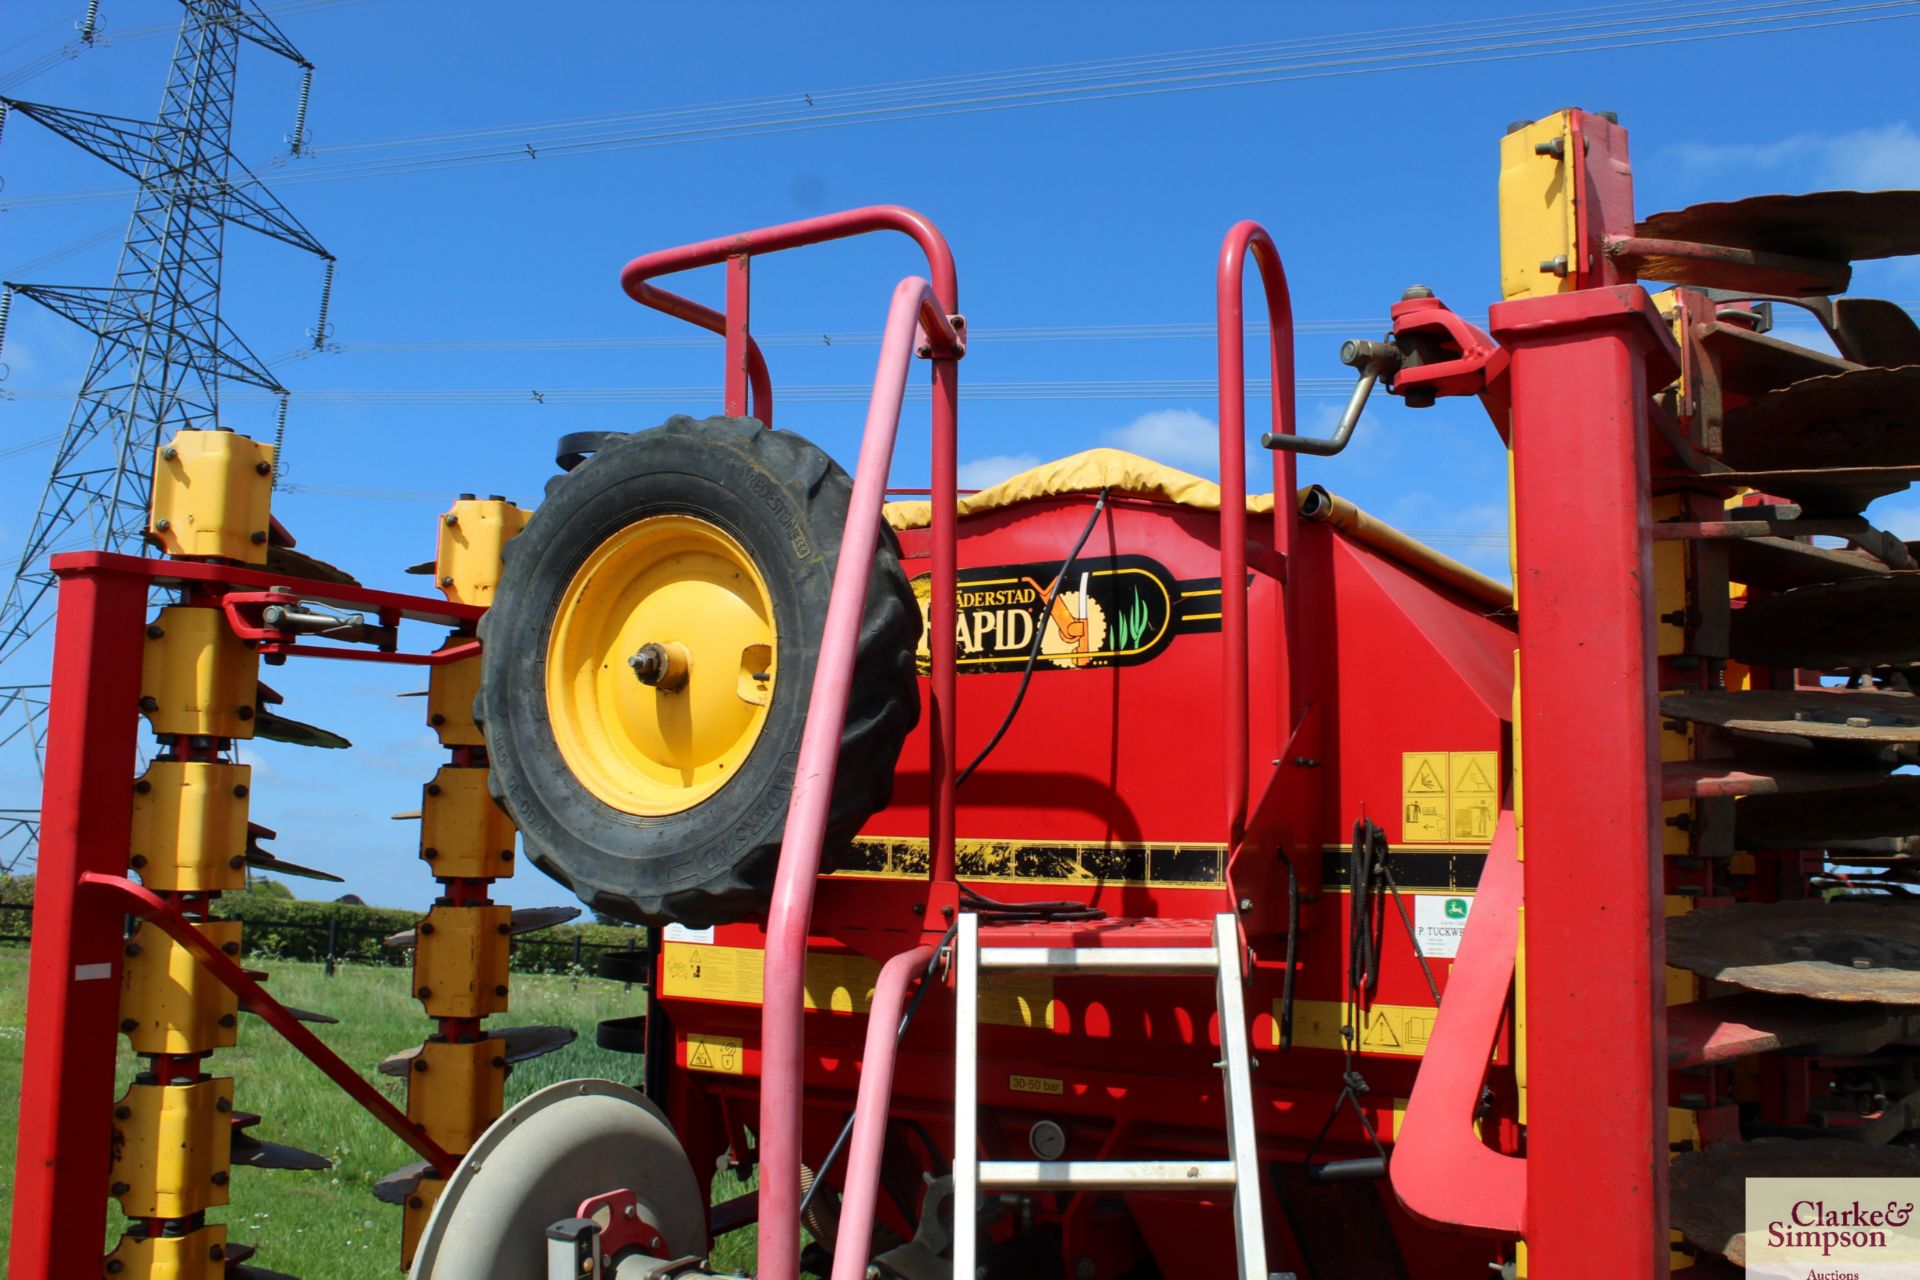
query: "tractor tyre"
649, 657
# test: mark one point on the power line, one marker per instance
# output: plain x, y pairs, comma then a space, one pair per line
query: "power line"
1546, 35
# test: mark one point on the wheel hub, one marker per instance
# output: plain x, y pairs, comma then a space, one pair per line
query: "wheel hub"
661, 665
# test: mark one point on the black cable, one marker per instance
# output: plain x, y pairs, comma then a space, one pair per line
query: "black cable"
1033, 650
1293, 939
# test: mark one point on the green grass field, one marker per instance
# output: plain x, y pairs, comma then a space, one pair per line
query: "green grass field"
328, 1226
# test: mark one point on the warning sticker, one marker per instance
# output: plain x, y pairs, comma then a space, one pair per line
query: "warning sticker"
1037, 1084
721, 1055
1399, 1030
1449, 797
1438, 922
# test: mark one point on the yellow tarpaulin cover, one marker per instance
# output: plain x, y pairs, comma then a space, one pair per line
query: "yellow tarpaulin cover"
1089, 472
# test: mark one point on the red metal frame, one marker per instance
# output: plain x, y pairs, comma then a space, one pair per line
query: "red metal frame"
1583, 367
83, 894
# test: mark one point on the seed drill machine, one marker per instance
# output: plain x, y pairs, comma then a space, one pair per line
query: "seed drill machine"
1106, 874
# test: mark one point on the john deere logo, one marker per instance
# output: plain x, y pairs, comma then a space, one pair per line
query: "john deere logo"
1456, 908
1109, 612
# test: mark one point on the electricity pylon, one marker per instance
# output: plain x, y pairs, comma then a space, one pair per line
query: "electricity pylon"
161, 349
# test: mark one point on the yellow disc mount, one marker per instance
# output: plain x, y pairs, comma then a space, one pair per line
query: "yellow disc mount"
661, 664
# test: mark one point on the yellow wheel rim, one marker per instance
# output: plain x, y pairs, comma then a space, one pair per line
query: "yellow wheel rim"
684, 592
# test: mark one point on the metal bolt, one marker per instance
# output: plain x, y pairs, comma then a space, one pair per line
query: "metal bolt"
506, 855
218, 1252
1858, 722
169, 453
429, 854
436, 719
1555, 266
137, 861
240, 792
1416, 291
149, 704
155, 631
259, 537
243, 713
426, 926
220, 1180
227, 1020
163, 524
1515, 126
433, 788
123, 1113
1557, 148
503, 930
1862, 962
230, 948
133, 948
222, 1105
424, 992
449, 519
500, 990
419, 1064
263, 468
236, 862
129, 1024
1246, 904
446, 579
115, 1266
121, 1188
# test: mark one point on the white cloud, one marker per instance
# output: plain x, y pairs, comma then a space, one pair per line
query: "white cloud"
1883, 157
984, 473
1178, 437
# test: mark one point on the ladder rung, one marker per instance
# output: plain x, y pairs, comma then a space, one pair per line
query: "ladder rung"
1162, 960
1105, 1175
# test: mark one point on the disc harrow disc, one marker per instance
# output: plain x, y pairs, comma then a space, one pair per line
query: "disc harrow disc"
1820, 491
1866, 622
1824, 950
1875, 331
1859, 418
1817, 715
1837, 226
1708, 1188
1816, 820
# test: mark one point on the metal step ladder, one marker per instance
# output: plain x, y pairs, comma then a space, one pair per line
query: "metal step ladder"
1240, 1171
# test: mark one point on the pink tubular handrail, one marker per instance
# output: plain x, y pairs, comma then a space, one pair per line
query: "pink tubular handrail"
746, 367
931, 309
1243, 238
870, 1111
782, 1013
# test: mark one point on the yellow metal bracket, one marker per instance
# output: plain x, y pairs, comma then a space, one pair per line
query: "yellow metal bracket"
1538, 208
196, 676
467, 562
463, 833
460, 961
419, 1207
454, 1091
210, 495
451, 689
190, 826
198, 1255
171, 1146
169, 1003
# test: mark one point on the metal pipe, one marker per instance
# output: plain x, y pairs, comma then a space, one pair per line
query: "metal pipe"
870, 1111
1230, 320
783, 1013
1321, 507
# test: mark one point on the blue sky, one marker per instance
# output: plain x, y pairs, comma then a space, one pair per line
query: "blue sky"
1369, 158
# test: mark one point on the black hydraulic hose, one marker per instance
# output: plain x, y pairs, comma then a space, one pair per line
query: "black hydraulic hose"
1033, 650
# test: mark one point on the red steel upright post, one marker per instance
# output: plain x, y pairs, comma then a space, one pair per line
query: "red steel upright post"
73, 971
1583, 365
